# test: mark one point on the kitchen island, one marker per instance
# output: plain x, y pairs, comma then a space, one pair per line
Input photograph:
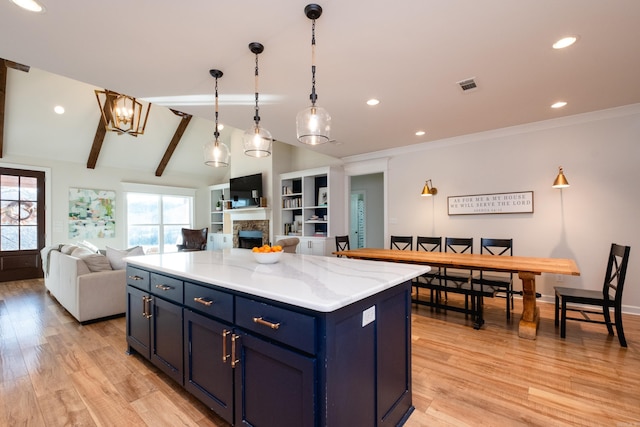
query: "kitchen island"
308, 341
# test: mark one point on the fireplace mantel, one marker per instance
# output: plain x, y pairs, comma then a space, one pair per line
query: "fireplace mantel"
249, 214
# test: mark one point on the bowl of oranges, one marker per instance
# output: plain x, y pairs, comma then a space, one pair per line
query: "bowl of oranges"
266, 254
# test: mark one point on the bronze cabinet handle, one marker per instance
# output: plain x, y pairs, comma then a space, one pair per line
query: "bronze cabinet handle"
234, 361
146, 307
203, 301
135, 277
164, 287
225, 356
261, 321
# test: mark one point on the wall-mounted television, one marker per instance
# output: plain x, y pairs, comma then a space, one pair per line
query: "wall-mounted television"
245, 191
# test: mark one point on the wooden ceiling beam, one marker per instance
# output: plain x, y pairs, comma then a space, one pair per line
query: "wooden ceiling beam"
98, 139
3, 96
186, 118
16, 66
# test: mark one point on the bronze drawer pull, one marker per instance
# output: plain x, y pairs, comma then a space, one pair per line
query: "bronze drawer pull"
203, 301
136, 277
261, 321
164, 287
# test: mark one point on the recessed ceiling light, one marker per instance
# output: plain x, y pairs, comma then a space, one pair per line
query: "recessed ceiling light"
30, 5
558, 104
373, 101
565, 42
420, 133
59, 109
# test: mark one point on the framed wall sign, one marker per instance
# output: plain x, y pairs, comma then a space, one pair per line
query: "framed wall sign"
496, 203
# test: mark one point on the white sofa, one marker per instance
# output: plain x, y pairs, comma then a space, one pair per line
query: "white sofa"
87, 295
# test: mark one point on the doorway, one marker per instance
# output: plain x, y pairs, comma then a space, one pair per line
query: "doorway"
366, 211
22, 224
358, 220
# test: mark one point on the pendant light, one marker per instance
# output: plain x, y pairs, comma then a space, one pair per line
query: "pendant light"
257, 140
313, 124
216, 154
121, 113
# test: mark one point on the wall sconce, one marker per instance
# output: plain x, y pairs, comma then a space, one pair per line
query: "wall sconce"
561, 180
429, 189
122, 113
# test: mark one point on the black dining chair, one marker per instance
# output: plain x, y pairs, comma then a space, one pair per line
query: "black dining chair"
342, 243
193, 240
430, 280
502, 283
610, 296
457, 278
402, 243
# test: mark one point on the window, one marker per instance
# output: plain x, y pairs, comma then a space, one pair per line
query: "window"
154, 221
19, 207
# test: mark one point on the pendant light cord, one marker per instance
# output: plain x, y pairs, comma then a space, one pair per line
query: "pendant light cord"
313, 95
215, 132
256, 118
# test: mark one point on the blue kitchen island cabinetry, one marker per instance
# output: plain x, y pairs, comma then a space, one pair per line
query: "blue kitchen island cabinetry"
286, 344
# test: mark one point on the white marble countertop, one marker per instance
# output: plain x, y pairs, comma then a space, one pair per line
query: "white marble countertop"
318, 283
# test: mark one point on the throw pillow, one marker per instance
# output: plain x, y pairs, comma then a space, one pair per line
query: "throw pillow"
67, 249
116, 256
84, 244
95, 262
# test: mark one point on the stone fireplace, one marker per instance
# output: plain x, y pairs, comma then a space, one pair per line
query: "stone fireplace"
250, 233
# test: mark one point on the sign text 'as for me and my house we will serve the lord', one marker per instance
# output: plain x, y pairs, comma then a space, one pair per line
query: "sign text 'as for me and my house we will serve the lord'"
498, 203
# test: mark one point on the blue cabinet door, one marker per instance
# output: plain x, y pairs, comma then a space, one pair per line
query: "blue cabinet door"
208, 372
394, 359
274, 386
166, 333
138, 325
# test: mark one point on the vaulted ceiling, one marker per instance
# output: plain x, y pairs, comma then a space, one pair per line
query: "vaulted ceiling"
408, 54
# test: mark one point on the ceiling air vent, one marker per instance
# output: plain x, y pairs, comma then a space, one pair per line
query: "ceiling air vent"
468, 84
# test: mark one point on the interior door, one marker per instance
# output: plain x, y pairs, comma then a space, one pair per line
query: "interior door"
22, 225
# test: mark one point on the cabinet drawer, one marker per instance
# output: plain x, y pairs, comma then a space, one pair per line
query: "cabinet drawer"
138, 278
166, 287
289, 327
209, 301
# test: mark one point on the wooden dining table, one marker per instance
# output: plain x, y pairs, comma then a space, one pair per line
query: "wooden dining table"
527, 269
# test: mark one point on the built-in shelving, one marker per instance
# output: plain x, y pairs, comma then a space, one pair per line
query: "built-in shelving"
311, 207
218, 194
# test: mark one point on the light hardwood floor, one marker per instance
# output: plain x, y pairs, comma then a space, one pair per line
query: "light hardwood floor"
55, 372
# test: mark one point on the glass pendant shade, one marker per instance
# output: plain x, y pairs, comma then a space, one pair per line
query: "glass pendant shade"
313, 125
257, 142
216, 154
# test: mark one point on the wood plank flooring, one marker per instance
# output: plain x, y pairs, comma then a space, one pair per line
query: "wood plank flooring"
56, 372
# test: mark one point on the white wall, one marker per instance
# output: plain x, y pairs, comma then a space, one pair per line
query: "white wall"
600, 154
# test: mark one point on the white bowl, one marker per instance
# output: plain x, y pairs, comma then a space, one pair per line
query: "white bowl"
267, 257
